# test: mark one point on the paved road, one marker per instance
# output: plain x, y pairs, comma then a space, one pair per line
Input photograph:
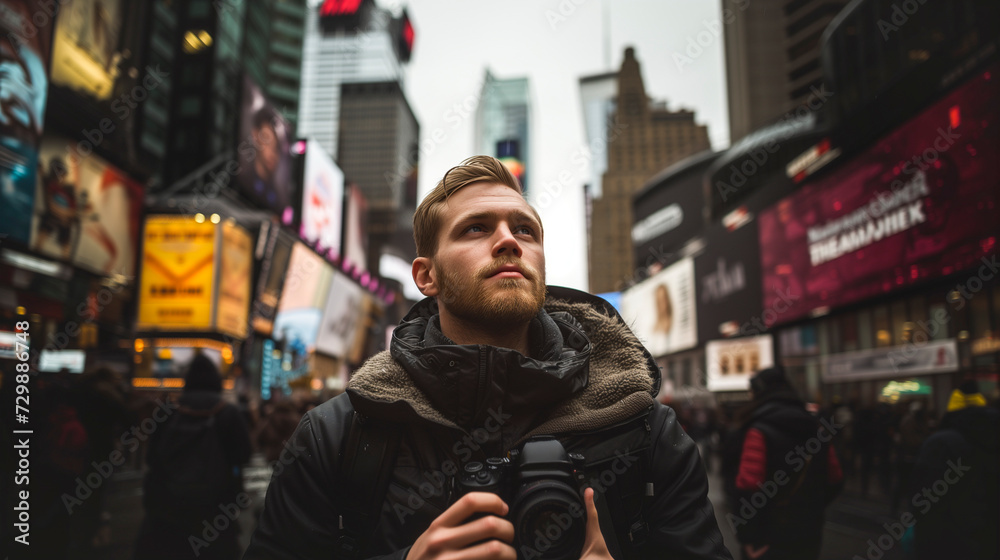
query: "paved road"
853, 522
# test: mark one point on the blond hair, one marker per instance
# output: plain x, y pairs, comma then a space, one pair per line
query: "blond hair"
476, 169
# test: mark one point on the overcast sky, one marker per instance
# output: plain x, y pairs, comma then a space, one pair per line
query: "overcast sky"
553, 43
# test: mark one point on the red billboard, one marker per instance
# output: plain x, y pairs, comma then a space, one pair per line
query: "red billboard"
921, 203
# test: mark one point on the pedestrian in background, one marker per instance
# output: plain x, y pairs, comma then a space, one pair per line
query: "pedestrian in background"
195, 459
776, 431
963, 458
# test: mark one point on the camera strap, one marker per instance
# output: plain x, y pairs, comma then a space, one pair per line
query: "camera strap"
626, 502
366, 468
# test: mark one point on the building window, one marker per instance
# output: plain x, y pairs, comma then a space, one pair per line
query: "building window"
850, 340
899, 319
883, 336
189, 106
938, 331
866, 340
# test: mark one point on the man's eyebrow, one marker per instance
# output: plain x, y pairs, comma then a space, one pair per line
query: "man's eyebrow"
519, 215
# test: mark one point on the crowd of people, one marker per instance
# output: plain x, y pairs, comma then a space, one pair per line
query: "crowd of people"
887, 452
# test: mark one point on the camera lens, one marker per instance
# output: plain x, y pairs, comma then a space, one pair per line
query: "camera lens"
549, 521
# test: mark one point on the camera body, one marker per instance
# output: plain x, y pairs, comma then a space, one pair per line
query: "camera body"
543, 485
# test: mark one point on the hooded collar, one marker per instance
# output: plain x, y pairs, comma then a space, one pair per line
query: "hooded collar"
467, 381
587, 371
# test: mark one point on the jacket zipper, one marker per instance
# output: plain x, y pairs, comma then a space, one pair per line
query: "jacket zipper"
482, 375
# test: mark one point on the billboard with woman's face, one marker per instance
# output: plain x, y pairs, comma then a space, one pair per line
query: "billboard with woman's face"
264, 153
661, 309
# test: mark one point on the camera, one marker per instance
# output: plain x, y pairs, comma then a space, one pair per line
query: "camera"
543, 485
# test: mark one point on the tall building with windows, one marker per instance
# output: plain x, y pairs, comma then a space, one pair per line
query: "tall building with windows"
772, 58
276, 63
597, 98
503, 124
204, 48
379, 138
347, 42
644, 138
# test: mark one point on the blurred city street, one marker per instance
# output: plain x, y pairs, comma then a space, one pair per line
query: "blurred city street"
851, 520
563, 232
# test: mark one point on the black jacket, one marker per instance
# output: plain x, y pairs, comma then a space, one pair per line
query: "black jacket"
787, 511
590, 383
956, 487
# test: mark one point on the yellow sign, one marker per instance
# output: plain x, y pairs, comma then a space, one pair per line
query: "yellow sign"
178, 265
235, 265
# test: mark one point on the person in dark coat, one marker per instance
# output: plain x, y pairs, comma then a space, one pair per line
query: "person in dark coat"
193, 493
786, 474
491, 358
955, 498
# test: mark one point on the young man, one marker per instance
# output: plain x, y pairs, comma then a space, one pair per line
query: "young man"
489, 360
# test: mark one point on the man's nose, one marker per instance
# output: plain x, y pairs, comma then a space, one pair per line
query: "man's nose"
506, 244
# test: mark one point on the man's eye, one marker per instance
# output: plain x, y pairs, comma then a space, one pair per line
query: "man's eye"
474, 229
524, 229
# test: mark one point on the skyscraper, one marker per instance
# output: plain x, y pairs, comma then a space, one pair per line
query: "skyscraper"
276, 63
597, 98
347, 42
644, 138
205, 48
503, 124
772, 58
378, 152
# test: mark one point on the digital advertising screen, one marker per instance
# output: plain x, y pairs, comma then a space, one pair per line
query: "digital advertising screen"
921, 203
85, 55
355, 230
24, 83
344, 311
86, 211
13, 344
178, 267
661, 309
235, 267
728, 277
264, 152
303, 299
272, 278
668, 210
54, 361
322, 199
731, 363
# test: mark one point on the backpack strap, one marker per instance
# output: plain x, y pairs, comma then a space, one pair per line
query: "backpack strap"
366, 466
625, 502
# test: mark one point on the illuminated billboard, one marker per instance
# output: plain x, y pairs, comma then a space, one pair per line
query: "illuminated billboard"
919, 204
24, 56
272, 277
300, 310
235, 266
85, 55
355, 230
178, 272
661, 309
265, 175
87, 211
322, 199
344, 312
731, 363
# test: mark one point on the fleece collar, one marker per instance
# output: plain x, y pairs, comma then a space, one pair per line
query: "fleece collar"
588, 372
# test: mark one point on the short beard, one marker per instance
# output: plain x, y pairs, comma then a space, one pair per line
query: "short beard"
509, 302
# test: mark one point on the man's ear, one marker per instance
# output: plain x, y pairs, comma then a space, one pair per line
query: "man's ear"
425, 277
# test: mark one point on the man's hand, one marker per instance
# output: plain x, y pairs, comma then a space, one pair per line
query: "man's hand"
449, 536
594, 547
